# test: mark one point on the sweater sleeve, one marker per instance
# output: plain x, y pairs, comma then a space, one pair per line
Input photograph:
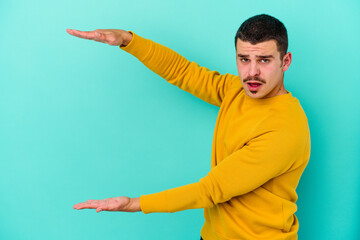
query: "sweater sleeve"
261, 159
207, 85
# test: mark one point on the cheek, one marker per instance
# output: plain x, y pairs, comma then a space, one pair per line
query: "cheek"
241, 70
269, 72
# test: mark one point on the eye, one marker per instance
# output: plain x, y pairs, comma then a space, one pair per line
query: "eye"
265, 60
244, 60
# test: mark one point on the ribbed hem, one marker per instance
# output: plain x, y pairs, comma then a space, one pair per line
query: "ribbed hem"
277, 98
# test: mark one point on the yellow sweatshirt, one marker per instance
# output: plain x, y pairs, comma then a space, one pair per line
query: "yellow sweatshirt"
260, 149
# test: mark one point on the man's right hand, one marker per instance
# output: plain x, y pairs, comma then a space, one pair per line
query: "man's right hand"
114, 37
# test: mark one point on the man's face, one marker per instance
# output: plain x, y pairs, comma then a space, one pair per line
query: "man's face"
260, 68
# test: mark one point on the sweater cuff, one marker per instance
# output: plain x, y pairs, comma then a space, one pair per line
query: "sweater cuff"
138, 46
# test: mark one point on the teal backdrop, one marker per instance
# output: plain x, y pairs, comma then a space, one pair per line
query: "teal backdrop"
84, 120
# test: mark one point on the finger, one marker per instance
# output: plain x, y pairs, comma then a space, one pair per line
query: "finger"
78, 205
99, 37
88, 204
91, 35
81, 34
103, 206
82, 206
77, 32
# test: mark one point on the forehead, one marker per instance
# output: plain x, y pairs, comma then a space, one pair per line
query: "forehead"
263, 48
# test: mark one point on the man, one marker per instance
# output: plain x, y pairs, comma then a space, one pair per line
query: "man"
261, 142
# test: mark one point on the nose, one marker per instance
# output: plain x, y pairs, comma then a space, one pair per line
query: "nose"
254, 69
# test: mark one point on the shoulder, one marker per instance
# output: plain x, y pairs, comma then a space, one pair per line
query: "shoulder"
288, 118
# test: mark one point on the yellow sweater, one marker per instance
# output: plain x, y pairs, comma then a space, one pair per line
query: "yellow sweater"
260, 149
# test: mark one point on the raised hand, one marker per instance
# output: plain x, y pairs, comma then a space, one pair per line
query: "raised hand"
114, 37
123, 204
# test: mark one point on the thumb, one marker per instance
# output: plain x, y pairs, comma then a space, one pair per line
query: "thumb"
98, 209
99, 37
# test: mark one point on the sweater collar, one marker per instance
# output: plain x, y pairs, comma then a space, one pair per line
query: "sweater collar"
271, 100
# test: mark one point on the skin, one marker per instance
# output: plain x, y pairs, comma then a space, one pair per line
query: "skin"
114, 37
267, 70
122, 204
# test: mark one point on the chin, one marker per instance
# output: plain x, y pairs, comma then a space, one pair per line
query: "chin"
255, 95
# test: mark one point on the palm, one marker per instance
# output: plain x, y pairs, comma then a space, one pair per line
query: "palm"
109, 36
108, 204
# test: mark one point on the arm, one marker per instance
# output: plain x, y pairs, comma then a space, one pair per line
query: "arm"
261, 159
209, 86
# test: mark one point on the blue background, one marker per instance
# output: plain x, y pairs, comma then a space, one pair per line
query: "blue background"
83, 120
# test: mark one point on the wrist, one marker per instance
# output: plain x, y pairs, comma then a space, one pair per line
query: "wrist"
127, 37
134, 205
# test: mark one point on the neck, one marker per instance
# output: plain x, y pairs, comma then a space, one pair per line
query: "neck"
278, 90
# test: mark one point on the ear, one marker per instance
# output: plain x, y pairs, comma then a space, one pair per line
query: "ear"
286, 61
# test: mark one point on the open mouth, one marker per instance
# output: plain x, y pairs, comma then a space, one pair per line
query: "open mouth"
254, 86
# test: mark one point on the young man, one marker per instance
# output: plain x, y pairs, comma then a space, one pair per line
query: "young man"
261, 142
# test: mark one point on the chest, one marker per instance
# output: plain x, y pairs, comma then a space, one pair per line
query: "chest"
238, 123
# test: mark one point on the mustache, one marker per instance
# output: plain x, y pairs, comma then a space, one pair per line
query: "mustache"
254, 79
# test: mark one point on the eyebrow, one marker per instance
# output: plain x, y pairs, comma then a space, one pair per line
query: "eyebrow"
258, 56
